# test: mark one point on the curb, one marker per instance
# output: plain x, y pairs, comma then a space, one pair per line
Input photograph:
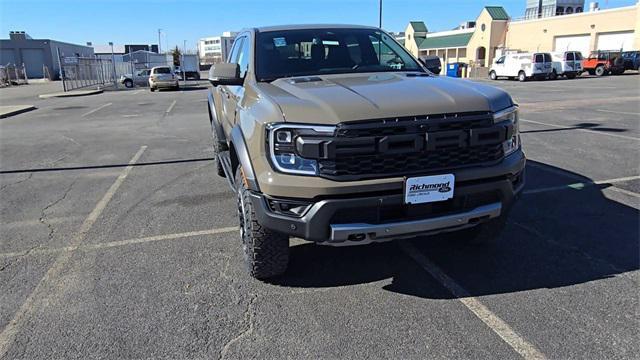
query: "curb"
10, 110
71, 94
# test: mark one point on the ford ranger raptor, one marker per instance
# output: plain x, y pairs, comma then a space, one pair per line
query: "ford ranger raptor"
337, 135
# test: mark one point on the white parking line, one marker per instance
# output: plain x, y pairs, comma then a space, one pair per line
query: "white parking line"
618, 112
171, 106
121, 242
582, 185
46, 285
96, 109
579, 129
497, 325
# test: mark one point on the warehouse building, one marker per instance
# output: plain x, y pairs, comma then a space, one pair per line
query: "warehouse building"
39, 56
479, 42
215, 49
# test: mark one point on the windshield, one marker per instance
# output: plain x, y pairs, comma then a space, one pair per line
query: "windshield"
328, 51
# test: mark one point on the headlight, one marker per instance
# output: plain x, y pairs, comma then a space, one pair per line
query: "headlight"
282, 147
509, 115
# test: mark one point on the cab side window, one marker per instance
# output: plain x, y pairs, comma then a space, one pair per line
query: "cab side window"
243, 56
501, 60
570, 56
233, 55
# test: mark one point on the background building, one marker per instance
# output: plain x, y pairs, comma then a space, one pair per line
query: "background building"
215, 49
546, 8
493, 32
38, 55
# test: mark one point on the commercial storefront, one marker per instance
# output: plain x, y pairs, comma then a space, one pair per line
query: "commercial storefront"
478, 42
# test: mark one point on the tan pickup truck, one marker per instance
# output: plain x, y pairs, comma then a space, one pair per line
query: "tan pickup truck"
337, 135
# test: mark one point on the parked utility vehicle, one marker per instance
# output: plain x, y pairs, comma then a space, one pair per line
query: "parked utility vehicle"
140, 78
338, 135
601, 63
162, 77
631, 60
522, 66
568, 63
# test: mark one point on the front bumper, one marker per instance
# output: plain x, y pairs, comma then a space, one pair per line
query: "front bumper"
381, 216
163, 83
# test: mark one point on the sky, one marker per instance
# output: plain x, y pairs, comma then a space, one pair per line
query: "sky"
138, 21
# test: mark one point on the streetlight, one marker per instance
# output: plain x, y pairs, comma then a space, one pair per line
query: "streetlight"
113, 61
380, 16
184, 49
159, 42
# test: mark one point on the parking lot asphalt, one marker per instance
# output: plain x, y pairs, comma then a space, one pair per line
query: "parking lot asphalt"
117, 240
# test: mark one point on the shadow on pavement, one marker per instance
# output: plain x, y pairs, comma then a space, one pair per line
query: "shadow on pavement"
553, 239
588, 126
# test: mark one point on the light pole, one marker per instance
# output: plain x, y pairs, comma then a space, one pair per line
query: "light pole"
184, 49
380, 16
113, 61
159, 42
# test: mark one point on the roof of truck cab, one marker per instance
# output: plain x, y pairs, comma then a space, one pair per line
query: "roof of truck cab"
312, 26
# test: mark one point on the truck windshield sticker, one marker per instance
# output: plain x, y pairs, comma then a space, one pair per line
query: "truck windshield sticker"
279, 41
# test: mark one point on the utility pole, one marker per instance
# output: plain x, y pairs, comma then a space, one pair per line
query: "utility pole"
380, 14
159, 42
184, 49
113, 60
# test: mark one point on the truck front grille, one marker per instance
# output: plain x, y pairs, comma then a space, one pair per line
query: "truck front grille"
406, 146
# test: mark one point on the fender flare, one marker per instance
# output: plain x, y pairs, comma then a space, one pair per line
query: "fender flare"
242, 158
215, 124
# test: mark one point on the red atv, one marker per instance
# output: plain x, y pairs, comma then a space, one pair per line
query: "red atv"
604, 63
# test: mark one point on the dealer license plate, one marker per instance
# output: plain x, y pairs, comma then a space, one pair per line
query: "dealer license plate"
426, 189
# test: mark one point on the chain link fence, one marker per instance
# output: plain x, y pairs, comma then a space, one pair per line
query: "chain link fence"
79, 72
12, 74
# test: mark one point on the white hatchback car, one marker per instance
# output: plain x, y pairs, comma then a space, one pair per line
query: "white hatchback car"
522, 66
162, 77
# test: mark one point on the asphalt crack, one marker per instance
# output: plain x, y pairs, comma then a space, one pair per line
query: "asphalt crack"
43, 214
16, 182
249, 316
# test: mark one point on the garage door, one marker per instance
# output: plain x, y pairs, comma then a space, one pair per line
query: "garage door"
33, 60
7, 56
573, 43
615, 41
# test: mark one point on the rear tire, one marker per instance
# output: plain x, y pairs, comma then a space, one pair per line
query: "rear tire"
522, 77
591, 72
553, 75
128, 83
571, 76
152, 89
493, 76
600, 71
266, 252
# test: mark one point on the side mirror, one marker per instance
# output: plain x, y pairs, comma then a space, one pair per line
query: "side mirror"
225, 74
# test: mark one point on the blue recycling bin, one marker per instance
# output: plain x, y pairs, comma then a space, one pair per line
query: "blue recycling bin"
454, 70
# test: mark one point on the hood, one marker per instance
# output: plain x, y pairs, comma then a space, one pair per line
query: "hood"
331, 99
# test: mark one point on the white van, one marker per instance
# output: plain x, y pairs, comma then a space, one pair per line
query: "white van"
522, 66
568, 63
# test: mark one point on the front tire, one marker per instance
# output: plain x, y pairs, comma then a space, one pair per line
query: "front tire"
128, 83
600, 71
266, 252
493, 76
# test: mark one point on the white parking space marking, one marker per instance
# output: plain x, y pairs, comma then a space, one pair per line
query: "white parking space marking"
497, 325
111, 244
624, 191
579, 129
46, 285
131, 115
582, 185
171, 106
97, 109
618, 112
137, 92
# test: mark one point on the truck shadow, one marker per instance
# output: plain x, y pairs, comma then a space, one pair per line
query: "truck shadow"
554, 238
